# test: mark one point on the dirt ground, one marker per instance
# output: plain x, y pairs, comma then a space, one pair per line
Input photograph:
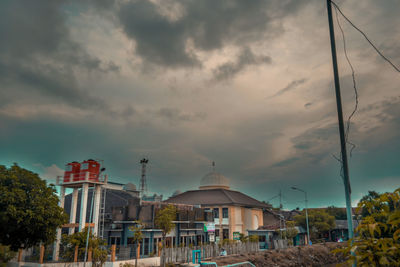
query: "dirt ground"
315, 255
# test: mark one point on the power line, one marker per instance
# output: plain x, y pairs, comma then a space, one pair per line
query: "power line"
354, 85
365, 36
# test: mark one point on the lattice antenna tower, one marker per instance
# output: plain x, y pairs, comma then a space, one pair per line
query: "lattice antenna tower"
143, 183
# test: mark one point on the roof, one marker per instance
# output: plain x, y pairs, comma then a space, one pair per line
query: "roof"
217, 196
342, 224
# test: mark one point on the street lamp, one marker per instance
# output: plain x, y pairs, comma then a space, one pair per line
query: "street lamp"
305, 196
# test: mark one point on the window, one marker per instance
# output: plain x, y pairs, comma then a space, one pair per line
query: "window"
216, 213
68, 168
225, 233
216, 232
224, 212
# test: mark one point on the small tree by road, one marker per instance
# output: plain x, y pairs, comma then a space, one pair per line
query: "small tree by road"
137, 236
164, 221
290, 232
319, 222
96, 245
377, 237
29, 211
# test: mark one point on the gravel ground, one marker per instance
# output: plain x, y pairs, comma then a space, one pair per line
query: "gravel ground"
315, 255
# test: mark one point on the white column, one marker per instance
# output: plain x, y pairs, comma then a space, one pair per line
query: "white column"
58, 238
72, 213
84, 198
96, 210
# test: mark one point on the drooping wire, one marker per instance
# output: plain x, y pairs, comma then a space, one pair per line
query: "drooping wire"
365, 36
354, 85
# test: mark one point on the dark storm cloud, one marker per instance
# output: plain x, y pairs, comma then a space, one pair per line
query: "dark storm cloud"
292, 85
38, 54
175, 115
208, 24
246, 58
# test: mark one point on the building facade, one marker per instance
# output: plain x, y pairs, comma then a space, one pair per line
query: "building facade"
234, 213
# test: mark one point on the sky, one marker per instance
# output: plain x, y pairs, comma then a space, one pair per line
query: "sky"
247, 84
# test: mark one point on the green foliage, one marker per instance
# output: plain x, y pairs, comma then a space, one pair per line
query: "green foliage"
253, 238
137, 235
369, 198
338, 213
377, 240
69, 242
290, 232
319, 221
164, 218
29, 208
163, 221
6, 254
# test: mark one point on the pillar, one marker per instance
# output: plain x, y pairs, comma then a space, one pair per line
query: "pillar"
113, 247
96, 210
41, 256
72, 213
84, 198
56, 249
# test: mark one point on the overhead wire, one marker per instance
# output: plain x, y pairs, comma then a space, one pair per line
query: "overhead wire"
365, 36
348, 123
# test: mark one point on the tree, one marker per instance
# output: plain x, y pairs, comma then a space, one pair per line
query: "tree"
6, 255
319, 221
96, 245
29, 208
338, 213
163, 221
290, 232
377, 237
369, 198
137, 236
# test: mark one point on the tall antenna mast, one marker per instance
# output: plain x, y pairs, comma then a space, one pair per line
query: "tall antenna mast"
143, 184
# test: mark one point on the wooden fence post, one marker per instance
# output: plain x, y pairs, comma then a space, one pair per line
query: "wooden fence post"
113, 248
76, 254
20, 255
41, 254
89, 258
138, 251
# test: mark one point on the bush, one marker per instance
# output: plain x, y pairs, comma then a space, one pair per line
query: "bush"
6, 254
377, 240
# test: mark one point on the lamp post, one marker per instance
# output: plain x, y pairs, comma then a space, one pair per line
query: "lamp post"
305, 197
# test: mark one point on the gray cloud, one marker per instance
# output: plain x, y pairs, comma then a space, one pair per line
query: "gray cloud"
208, 24
175, 115
39, 55
246, 58
292, 85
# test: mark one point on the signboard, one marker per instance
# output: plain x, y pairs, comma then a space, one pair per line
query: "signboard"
217, 239
211, 238
236, 236
209, 227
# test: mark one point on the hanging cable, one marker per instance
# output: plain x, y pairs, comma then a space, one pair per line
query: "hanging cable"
348, 123
365, 36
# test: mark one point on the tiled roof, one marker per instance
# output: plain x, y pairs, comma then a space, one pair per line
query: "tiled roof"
216, 197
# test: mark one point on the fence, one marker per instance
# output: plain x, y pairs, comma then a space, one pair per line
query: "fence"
173, 255
184, 254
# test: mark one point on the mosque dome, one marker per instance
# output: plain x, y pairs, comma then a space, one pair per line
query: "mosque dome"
177, 192
130, 187
214, 180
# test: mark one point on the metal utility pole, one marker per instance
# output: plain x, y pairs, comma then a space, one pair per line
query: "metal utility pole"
143, 184
346, 179
306, 202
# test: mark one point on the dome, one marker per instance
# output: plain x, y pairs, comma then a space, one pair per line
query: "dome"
130, 187
177, 192
214, 180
